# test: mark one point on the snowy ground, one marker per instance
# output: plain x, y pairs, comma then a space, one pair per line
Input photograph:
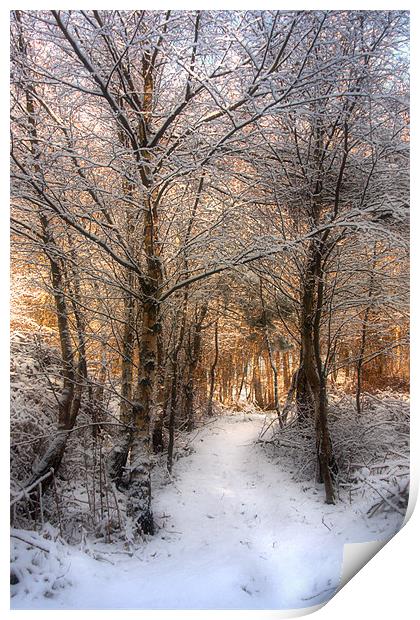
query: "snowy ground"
236, 533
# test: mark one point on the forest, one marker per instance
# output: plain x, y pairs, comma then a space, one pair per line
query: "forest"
209, 293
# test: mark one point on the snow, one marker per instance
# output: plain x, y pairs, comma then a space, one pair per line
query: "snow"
235, 532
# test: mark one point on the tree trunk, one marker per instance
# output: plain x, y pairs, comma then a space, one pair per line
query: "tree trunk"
365, 318
174, 383
242, 382
139, 494
256, 382
275, 386
193, 358
312, 377
127, 353
286, 370
213, 370
67, 413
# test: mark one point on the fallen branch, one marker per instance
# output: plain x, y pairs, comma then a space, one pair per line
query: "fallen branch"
390, 504
24, 493
30, 542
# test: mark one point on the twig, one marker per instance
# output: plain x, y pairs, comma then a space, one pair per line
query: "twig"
308, 598
41, 506
29, 542
393, 506
58, 507
328, 528
269, 426
24, 493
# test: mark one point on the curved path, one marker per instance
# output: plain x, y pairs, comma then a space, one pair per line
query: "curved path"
235, 533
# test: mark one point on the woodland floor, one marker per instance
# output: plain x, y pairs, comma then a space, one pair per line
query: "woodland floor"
236, 532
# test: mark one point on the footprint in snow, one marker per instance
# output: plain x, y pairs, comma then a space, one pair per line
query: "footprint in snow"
246, 543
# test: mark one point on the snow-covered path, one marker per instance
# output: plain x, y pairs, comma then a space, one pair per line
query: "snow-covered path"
236, 533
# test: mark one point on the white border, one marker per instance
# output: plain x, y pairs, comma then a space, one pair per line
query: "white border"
387, 586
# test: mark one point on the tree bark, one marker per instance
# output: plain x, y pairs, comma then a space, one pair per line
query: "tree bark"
213, 369
174, 383
365, 318
312, 377
193, 359
271, 360
127, 353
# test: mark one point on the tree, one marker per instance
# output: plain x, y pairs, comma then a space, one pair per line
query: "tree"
172, 164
